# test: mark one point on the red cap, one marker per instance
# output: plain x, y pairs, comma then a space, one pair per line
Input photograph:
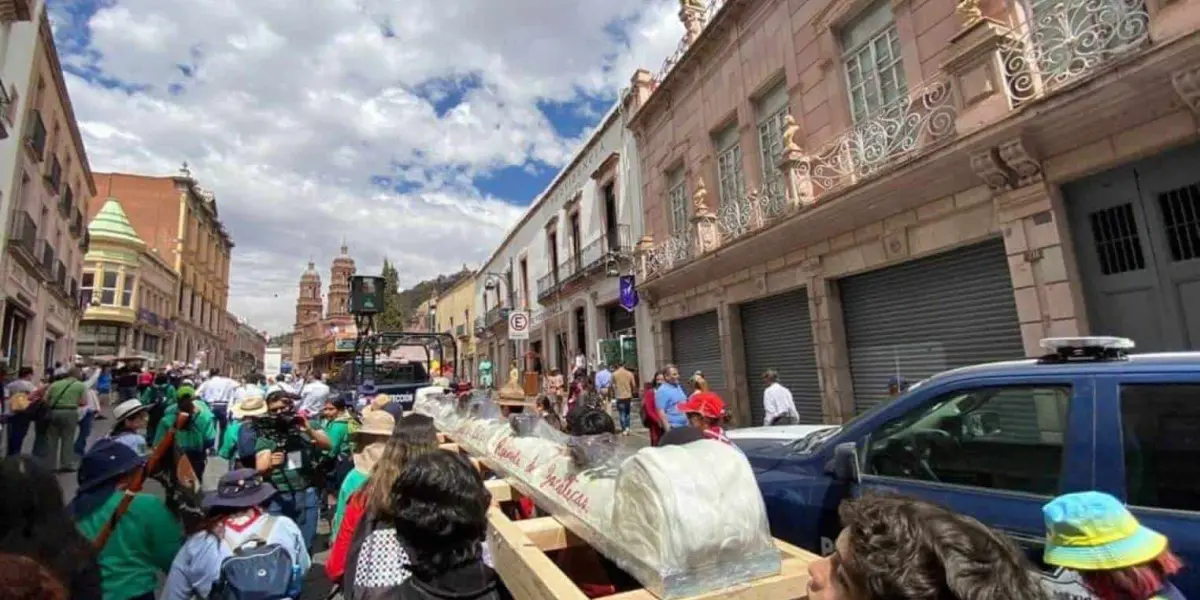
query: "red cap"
146, 378
708, 404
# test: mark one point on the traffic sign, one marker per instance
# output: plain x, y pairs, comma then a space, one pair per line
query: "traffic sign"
518, 325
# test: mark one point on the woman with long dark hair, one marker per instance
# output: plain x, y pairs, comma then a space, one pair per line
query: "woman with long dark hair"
34, 522
235, 515
441, 510
372, 505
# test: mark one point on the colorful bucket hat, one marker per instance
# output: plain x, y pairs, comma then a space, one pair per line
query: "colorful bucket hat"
1093, 531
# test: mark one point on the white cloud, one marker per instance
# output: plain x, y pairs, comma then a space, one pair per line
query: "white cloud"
287, 109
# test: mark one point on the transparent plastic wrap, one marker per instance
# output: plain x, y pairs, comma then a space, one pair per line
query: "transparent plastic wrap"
683, 520
690, 519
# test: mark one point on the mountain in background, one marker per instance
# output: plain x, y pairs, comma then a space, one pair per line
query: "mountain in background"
401, 305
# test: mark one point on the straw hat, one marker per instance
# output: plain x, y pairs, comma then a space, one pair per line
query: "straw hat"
377, 422
253, 406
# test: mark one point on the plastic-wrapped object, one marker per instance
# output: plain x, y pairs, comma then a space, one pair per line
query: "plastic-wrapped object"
693, 520
683, 520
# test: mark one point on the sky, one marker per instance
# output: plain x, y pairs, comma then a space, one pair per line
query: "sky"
419, 130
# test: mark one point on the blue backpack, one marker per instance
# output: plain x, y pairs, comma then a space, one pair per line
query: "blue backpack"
258, 570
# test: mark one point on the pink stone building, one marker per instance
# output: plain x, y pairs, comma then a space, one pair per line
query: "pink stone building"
853, 192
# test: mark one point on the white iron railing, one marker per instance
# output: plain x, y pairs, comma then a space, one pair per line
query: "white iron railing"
1062, 41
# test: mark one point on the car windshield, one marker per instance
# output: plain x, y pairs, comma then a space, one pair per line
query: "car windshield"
811, 441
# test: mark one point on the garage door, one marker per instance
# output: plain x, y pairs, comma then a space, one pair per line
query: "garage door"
696, 346
925, 316
778, 335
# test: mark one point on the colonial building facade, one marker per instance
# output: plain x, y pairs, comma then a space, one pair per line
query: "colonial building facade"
455, 314
852, 192
324, 332
128, 292
561, 262
45, 224
179, 222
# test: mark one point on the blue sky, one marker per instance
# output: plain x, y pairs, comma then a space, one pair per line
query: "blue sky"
416, 129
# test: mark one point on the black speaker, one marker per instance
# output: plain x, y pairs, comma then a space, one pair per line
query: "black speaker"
366, 295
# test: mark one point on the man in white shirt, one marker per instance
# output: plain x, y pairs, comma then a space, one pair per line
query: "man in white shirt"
313, 395
218, 392
778, 406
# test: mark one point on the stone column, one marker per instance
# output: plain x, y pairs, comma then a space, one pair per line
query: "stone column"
976, 68
797, 183
829, 337
642, 252
1041, 261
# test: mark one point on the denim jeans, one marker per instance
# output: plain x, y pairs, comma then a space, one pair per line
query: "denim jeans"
127, 393
221, 412
18, 428
301, 506
199, 460
623, 408
85, 430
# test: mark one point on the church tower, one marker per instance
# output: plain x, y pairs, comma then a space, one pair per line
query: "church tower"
308, 303
339, 285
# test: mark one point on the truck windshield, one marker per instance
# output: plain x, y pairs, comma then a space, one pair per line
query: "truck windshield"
390, 373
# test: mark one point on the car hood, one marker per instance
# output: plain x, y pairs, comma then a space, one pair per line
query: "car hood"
781, 433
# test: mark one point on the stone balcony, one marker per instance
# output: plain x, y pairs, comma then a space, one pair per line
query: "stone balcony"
997, 70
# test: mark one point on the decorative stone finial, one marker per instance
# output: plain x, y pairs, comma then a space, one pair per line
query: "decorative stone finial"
700, 197
790, 130
184, 170
691, 13
969, 11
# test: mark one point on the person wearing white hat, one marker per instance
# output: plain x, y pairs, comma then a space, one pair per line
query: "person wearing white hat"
252, 406
131, 417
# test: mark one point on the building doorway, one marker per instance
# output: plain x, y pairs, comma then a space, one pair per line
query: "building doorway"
48, 351
581, 344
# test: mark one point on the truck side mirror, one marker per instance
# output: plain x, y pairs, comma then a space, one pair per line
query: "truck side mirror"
845, 462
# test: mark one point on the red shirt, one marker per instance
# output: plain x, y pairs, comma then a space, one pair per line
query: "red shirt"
335, 563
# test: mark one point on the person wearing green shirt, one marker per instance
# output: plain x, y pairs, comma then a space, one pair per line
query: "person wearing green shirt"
197, 436
369, 443
145, 539
56, 434
158, 397
287, 448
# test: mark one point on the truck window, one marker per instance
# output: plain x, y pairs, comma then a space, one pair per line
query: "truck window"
1161, 429
1008, 438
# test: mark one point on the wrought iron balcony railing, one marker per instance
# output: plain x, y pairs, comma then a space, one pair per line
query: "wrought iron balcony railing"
546, 285
495, 315
1063, 41
24, 237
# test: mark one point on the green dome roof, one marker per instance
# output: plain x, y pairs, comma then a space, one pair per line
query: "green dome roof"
112, 224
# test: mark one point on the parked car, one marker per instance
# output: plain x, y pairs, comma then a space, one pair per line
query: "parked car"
997, 441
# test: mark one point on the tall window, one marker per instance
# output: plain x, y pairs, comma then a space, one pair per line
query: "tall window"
731, 177
524, 282
86, 284
127, 290
108, 288
772, 110
677, 201
874, 70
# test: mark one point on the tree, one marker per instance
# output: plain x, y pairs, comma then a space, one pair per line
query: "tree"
392, 317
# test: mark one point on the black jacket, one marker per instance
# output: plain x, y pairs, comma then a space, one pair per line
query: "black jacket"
470, 582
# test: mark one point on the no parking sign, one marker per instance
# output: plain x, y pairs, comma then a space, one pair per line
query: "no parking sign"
518, 325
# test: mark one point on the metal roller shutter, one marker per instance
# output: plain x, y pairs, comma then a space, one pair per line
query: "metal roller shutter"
777, 332
926, 316
696, 346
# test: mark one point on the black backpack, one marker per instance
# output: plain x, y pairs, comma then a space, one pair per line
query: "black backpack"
376, 565
258, 570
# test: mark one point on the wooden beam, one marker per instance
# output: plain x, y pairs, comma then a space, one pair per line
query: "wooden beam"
526, 571
548, 534
449, 447
501, 491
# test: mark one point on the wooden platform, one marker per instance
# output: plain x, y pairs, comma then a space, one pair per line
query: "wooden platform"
520, 553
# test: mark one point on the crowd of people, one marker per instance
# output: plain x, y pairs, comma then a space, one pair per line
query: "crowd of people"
409, 520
